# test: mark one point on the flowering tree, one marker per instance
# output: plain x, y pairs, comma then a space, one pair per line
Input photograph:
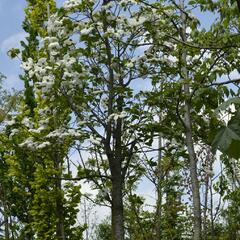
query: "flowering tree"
90, 59
50, 207
102, 80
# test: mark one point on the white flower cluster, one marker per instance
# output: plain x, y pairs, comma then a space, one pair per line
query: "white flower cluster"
10, 122
55, 26
43, 145
116, 116
41, 71
27, 122
27, 65
94, 140
71, 4
169, 59
134, 22
13, 132
125, 2
53, 45
38, 130
86, 31
109, 5
29, 143
62, 133
209, 171
68, 62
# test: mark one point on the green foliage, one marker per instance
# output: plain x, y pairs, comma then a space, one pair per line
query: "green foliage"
103, 230
12, 53
83, 68
227, 139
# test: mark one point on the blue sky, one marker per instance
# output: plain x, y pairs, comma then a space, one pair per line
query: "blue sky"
11, 17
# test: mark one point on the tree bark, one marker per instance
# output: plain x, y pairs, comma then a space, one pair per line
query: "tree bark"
117, 208
59, 212
205, 208
197, 235
5, 216
211, 211
6, 223
159, 190
117, 179
193, 174
60, 232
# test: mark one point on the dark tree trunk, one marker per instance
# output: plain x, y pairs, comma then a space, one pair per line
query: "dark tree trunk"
5, 215
6, 224
59, 212
117, 208
158, 224
60, 233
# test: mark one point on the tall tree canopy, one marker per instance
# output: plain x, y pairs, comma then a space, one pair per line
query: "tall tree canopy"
121, 96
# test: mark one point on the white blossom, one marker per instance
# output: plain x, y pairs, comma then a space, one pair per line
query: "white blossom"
39, 130
54, 24
27, 65
209, 171
26, 121
71, 3
95, 140
136, 22
41, 61
188, 30
13, 132
10, 123
116, 116
43, 145
129, 64
53, 45
172, 59
86, 31
74, 133
29, 142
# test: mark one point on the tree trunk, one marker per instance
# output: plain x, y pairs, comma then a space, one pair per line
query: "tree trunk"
193, 174
114, 148
6, 224
159, 191
60, 233
12, 229
5, 217
59, 212
205, 208
117, 180
189, 137
158, 225
211, 211
117, 208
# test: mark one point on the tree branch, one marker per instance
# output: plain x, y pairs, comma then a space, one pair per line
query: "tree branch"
226, 82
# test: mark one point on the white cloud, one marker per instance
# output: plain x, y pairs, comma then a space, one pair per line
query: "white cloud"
12, 41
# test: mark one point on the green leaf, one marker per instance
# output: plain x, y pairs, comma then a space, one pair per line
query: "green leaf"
226, 104
227, 140
12, 53
2, 115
